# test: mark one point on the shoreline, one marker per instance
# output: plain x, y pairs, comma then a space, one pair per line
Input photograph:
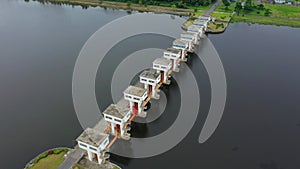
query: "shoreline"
174, 11
31, 162
121, 5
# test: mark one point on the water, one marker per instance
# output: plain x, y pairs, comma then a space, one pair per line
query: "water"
39, 45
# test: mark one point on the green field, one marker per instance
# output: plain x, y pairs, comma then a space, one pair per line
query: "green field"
203, 8
284, 11
284, 15
50, 162
221, 8
266, 20
222, 16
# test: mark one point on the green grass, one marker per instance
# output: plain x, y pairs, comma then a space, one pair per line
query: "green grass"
284, 11
281, 15
221, 8
77, 166
50, 162
203, 8
266, 20
198, 13
189, 21
217, 26
222, 16
278, 10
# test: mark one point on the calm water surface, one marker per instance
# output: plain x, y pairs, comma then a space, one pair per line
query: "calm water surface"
260, 128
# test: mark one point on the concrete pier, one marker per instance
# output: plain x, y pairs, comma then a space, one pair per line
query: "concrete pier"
174, 55
150, 78
118, 117
136, 96
164, 67
94, 143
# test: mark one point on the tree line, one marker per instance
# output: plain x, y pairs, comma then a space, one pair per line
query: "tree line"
170, 3
247, 7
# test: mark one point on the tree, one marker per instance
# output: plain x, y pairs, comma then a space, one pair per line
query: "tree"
226, 3
248, 5
260, 7
128, 4
180, 4
268, 12
238, 7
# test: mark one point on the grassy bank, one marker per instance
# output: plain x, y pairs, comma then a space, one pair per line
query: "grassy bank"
281, 15
77, 166
50, 159
121, 5
266, 20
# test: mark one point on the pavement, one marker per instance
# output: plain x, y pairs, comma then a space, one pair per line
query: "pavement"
211, 9
73, 157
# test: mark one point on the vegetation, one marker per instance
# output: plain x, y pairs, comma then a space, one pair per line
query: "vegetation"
217, 27
122, 5
266, 20
77, 166
226, 3
254, 12
51, 159
284, 11
222, 16
181, 4
170, 3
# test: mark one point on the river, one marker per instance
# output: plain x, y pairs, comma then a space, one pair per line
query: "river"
39, 44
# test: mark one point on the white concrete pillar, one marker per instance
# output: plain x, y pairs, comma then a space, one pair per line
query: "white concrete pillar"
183, 55
190, 45
166, 78
122, 129
201, 34
139, 107
196, 40
131, 103
153, 91
146, 87
155, 95
175, 65
99, 160
90, 155
113, 128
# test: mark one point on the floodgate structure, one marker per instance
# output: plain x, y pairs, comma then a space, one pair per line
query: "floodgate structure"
118, 117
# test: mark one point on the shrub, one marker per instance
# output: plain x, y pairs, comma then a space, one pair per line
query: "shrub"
58, 151
40, 157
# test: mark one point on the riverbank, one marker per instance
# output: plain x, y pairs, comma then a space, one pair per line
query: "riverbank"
281, 15
125, 6
52, 157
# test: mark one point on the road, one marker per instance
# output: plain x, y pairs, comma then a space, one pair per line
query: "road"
211, 9
72, 158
